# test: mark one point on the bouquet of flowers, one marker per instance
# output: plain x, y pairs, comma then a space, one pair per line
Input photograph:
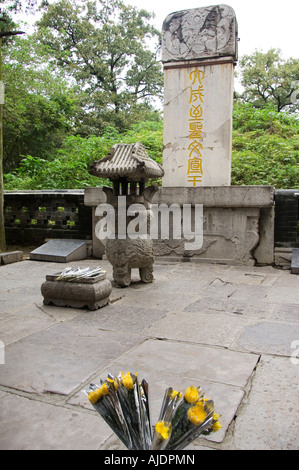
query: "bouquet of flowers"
123, 403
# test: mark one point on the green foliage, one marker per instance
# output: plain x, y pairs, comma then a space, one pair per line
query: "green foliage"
19, 5
69, 168
265, 147
39, 104
150, 134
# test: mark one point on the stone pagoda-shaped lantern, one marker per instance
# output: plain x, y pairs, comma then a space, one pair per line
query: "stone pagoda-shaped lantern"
129, 167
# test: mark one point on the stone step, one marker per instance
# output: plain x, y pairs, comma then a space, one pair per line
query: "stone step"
11, 257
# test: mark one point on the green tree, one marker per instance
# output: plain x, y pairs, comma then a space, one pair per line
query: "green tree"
106, 47
40, 105
269, 79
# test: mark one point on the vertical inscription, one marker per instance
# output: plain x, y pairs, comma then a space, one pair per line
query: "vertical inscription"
195, 158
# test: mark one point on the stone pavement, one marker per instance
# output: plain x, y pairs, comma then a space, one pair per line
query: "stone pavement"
233, 330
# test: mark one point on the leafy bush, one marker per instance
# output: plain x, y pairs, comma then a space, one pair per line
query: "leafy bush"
265, 147
69, 167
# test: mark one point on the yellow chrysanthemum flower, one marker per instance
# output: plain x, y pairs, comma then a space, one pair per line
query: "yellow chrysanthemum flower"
114, 382
175, 393
94, 396
162, 429
191, 395
97, 394
197, 414
216, 426
127, 380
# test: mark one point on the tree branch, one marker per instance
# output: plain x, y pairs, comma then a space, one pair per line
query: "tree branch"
10, 33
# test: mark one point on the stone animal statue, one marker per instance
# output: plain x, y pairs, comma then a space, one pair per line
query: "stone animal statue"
127, 254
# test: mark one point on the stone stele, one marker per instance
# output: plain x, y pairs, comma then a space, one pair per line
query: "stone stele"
199, 52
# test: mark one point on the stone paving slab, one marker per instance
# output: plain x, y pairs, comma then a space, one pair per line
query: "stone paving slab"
28, 424
58, 359
268, 416
247, 293
23, 321
286, 313
120, 317
246, 309
270, 338
191, 361
284, 294
218, 330
164, 301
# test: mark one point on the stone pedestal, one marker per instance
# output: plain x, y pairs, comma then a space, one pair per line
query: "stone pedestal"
91, 293
238, 225
92, 198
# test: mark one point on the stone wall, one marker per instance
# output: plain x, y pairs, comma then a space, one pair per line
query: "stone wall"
33, 216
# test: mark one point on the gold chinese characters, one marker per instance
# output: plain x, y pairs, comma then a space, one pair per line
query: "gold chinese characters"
195, 162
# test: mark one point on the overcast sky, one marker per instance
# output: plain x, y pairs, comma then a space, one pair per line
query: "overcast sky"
263, 24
